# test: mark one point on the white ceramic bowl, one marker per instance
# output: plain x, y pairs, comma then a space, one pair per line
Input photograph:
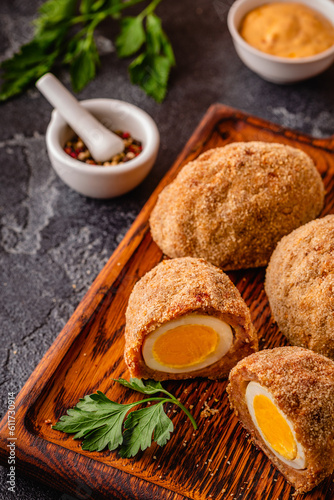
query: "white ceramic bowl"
110, 181
273, 68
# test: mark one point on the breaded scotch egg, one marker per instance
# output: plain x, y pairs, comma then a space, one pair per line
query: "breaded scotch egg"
186, 319
233, 204
284, 397
300, 286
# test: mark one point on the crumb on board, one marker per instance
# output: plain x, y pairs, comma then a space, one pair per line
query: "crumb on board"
208, 412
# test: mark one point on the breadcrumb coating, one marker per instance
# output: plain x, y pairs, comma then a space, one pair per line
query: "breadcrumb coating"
300, 286
233, 204
302, 384
178, 287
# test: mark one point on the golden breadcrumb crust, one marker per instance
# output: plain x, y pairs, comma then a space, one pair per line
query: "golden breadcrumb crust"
302, 384
300, 286
178, 287
233, 204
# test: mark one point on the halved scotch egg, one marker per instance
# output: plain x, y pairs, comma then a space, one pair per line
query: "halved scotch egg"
275, 428
185, 319
187, 344
284, 397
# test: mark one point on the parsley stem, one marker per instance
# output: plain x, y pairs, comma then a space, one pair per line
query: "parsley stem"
149, 9
105, 13
146, 400
187, 412
172, 400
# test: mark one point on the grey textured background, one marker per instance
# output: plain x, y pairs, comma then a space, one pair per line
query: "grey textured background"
53, 241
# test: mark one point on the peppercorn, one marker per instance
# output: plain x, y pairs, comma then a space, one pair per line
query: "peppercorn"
79, 151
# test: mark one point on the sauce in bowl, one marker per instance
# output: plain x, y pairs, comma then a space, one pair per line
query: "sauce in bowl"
287, 30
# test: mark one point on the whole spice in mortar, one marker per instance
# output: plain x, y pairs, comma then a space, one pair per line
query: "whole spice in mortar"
78, 150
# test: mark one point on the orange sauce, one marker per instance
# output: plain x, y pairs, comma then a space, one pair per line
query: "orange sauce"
287, 30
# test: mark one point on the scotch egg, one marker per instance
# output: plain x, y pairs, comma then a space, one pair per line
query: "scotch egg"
284, 397
274, 427
232, 204
186, 344
185, 318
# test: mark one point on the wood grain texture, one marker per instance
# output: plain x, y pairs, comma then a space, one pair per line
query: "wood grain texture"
218, 461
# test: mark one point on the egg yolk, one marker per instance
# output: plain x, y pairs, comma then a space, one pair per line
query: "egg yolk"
274, 427
185, 345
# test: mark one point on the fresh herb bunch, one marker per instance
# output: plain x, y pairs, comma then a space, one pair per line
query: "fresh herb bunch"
100, 421
64, 33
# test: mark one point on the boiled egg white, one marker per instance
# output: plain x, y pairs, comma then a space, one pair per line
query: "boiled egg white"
274, 426
189, 343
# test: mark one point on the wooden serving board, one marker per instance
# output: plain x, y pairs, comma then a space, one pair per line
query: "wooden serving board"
216, 462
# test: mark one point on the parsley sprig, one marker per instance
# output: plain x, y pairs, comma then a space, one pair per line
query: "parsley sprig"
103, 423
64, 34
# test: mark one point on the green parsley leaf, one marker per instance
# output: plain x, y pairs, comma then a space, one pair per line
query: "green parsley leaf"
53, 13
144, 386
83, 65
38, 56
139, 427
157, 40
32, 62
64, 32
153, 33
100, 422
163, 428
151, 69
151, 72
131, 37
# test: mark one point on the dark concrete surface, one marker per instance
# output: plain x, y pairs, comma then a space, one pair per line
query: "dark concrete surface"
53, 241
